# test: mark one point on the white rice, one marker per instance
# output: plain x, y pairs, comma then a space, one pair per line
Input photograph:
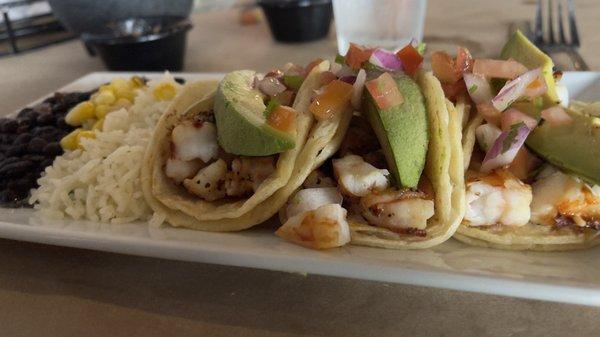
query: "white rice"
102, 182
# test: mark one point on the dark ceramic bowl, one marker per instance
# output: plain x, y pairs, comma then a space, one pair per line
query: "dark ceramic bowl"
149, 43
298, 20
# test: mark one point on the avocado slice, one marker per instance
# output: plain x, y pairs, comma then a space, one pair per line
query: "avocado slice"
522, 50
242, 127
402, 132
573, 147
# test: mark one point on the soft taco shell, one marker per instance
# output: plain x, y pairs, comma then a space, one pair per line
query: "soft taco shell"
313, 142
528, 237
444, 168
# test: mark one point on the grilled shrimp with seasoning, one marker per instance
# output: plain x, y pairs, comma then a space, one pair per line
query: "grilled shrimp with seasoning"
357, 178
497, 198
398, 210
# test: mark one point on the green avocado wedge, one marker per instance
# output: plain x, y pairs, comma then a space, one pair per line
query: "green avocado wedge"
402, 131
573, 147
520, 49
242, 127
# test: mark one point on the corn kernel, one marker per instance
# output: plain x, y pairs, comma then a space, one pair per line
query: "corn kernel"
84, 134
79, 113
69, 142
121, 103
123, 88
102, 110
98, 125
105, 97
88, 123
137, 82
106, 87
164, 92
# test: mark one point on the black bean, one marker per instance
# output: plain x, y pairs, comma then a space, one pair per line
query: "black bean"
28, 121
16, 150
36, 158
53, 149
43, 108
23, 184
16, 168
60, 122
9, 126
9, 160
47, 162
36, 145
7, 138
22, 138
24, 112
46, 119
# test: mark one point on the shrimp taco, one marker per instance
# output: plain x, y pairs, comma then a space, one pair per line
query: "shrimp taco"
533, 169
397, 180
222, 155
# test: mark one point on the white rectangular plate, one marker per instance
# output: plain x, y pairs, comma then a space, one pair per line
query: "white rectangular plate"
565, 277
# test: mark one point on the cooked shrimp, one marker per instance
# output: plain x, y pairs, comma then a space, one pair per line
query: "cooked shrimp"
247, 173
497, 198
358, 178
209, 182
309, 199
557, 195
195, 140
179, 170
322, 228
397, 209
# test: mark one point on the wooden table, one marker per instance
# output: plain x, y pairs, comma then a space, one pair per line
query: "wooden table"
54, 291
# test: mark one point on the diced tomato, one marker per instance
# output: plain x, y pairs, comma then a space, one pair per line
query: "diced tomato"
334, 99
327, 77
385, 91
464, 61
454, 90
410, 58
444, 67
356, 55
536, 88
489, 113
513, 116
282, 118
310, 66
556, 115
508, 69
524, 163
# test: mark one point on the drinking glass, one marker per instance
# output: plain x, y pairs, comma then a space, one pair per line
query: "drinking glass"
388, 24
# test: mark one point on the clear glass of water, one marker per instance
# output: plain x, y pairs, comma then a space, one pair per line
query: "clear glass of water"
388, 24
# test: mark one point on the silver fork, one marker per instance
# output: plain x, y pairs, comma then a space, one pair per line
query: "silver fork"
545, 38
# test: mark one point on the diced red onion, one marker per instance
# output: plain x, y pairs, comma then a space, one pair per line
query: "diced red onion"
478, 87
513, 116
486, 135
358, 88
505, 148
386, 60
556, 115
271, 86
348, 79
514, 89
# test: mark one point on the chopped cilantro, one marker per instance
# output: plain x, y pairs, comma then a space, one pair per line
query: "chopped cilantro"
511, 137
273, 103
472, 88
538, 102
421, 46
340, 59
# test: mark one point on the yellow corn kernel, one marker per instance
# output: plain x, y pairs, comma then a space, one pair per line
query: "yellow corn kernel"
123, 88
84, 134
98, 125
105, 97
121, 103
106, 87
137, 82
164, 92
79, 113
102, 110
88, 123
69, 142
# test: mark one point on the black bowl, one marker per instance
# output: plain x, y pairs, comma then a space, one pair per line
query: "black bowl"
145, 43
298, 20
